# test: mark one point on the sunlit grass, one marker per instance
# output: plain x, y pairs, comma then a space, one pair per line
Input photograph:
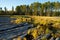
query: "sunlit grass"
39, 20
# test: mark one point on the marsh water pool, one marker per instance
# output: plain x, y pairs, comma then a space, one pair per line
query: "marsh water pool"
9, 30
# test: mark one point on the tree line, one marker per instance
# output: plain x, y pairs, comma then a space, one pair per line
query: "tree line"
36, 8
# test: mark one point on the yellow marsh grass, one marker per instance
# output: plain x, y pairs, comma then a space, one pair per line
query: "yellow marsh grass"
40, 20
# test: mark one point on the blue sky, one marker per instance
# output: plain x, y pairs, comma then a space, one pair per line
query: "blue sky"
9, 3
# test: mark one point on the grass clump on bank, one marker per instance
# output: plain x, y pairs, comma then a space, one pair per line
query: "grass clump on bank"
45, 25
